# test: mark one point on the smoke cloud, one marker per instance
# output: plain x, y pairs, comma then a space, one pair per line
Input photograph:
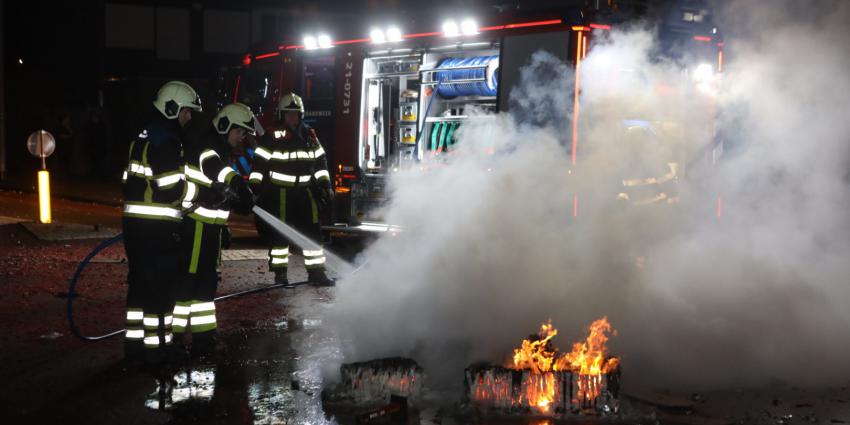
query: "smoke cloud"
491, 248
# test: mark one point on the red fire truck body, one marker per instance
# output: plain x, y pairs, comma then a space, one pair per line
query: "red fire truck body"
384, 104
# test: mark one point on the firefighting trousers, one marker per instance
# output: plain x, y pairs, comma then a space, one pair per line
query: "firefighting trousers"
298, 208
152, 248
200, 257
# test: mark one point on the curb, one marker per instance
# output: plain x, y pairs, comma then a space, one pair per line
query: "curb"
75, 198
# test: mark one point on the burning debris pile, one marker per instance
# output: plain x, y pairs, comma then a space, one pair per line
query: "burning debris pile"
538, 379
378, 380
541, 380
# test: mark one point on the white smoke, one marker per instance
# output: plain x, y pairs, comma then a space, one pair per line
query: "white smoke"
491, 248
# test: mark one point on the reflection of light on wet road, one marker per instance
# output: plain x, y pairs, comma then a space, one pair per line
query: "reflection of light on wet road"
271, 404
160, 399
291, 393
295, 324
311, 323
196, 383
276, 375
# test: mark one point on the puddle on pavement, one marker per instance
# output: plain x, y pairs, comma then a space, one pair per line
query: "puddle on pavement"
259, 377
276, 377
298, 324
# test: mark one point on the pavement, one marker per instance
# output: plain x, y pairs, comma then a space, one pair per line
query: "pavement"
275, 356
43, 363
80, 189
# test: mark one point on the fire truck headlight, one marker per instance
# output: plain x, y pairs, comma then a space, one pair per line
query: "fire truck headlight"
469, 27
325, 41
393, 34
310, 42
377, 36
703, 73
450, 29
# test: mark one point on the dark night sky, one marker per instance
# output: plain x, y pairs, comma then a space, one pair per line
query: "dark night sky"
65, 59
61, 43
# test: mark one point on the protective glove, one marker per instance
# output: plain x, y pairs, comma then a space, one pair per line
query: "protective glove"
245, 200
258, 190
325, 195
225, 191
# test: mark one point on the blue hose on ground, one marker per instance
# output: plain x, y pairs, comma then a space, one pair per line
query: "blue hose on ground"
107, 243
73, 285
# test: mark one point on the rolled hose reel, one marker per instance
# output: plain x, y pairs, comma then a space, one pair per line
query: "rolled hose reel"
488, 72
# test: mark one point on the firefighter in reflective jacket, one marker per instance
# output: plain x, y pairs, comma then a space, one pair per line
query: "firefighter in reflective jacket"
154, 186
652, 173
291, 180
214, 188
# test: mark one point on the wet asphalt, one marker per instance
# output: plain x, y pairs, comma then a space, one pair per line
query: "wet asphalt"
273, 375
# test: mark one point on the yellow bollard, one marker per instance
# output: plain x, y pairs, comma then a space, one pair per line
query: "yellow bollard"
44, 196
41, 144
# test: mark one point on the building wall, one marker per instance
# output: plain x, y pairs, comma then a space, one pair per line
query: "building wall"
167, 40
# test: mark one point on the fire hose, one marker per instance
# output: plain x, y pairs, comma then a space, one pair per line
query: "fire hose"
341, 266
100, 247
441, 136
483, 69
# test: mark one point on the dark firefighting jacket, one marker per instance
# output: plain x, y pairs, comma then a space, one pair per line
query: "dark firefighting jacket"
207, 173
153, 182
288, 158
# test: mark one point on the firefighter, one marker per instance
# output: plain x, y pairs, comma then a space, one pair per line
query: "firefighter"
242, 158
292, 182
154, 186
650, 167
215, 188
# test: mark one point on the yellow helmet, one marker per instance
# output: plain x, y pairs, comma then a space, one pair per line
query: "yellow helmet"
237, 114
290, 102
175, 95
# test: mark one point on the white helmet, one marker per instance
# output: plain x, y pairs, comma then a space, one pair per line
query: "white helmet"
175, 95
234, 114
290, 102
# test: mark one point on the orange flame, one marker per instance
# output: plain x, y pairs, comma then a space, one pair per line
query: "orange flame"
590, 357
541, 390
588, 360
537, 354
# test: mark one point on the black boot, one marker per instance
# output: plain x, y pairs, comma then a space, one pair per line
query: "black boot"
134, 351
204, 345
154, 358
319, 278
281, 279
176, 354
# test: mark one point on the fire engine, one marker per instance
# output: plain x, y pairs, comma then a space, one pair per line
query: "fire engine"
393, 99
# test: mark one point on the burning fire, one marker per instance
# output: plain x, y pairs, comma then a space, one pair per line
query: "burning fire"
588, 360
590, 357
